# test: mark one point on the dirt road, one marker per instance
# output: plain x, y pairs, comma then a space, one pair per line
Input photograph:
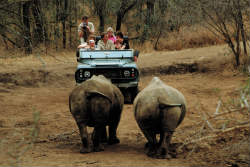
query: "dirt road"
42, 84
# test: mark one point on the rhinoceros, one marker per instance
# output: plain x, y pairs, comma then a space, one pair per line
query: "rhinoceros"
96, 103
159, 109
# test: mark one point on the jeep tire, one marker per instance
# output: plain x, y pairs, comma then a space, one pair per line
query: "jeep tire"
129, 94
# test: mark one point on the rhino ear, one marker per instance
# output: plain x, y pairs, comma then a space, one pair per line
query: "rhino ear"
91, 94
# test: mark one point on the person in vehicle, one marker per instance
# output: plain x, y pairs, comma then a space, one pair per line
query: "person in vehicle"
104, 43
90, 45
121, 43
85, 29
111, 35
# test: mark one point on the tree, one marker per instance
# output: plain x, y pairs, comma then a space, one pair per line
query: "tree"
101, 10
64, 16
40, 33
26, 28
225, 18
148, 20
125, 6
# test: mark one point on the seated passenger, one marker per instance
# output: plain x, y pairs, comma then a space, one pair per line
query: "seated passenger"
90, 45
118, 45
104, 43
111, 35
83, 45
121, 43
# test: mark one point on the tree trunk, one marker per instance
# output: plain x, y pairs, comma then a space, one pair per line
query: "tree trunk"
65, 15
238, 49
242, 29
39, 33
26, 23
148, 20
64, 33
56, 27
125, 7
150, 12
102, 23
119, 21
100, 8
70, 24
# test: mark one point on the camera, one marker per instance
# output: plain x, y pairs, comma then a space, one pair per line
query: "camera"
84, 27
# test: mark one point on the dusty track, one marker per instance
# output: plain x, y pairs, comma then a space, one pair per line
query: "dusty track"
27, 86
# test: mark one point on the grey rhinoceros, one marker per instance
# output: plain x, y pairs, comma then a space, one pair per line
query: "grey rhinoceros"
159, 109
96, 103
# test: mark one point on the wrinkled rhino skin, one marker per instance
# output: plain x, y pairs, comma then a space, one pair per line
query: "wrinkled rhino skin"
96, 103
159, 109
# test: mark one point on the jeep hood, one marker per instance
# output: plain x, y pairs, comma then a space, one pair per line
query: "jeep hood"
106, 57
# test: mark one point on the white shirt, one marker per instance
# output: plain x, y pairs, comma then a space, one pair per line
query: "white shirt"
91, 27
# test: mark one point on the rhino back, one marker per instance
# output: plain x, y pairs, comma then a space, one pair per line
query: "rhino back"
98, 86
95, 85
146, 106
148, 100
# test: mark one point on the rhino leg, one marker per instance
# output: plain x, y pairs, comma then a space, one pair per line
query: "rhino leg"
112, 133
170, 119
96, 138
113, 124
163, 147
85, 148
152, 142
100, 111
104, 138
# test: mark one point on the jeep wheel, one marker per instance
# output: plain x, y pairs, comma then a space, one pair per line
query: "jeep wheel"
134, 91
129, 94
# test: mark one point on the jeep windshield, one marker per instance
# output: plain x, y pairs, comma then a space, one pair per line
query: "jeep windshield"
106, 57
106, 54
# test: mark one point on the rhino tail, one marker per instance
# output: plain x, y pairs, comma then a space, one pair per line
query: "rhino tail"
98, 111
183, 113
163, 104
91, 94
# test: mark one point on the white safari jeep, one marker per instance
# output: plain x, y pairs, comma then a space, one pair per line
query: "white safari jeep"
117, 65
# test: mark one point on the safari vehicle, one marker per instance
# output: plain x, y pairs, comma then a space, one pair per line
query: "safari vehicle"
117, 65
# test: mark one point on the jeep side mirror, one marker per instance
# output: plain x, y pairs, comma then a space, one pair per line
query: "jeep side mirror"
136, 55
77, 53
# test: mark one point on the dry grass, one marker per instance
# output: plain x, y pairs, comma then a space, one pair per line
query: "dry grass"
189, 37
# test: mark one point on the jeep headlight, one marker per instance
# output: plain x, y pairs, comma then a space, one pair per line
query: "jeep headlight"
127, 73
86, 74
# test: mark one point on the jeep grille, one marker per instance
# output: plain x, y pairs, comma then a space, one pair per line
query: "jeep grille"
115, 74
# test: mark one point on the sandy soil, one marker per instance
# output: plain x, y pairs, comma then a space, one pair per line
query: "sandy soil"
42, 84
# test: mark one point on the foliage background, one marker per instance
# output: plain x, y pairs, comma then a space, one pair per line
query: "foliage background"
29, 25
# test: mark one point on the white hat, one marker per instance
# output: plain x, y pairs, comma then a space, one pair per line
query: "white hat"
110, 29
91, 41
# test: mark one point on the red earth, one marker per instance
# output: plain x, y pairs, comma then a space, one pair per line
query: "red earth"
42, 84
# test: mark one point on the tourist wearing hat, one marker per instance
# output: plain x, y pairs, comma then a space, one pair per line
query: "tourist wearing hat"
111, 35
